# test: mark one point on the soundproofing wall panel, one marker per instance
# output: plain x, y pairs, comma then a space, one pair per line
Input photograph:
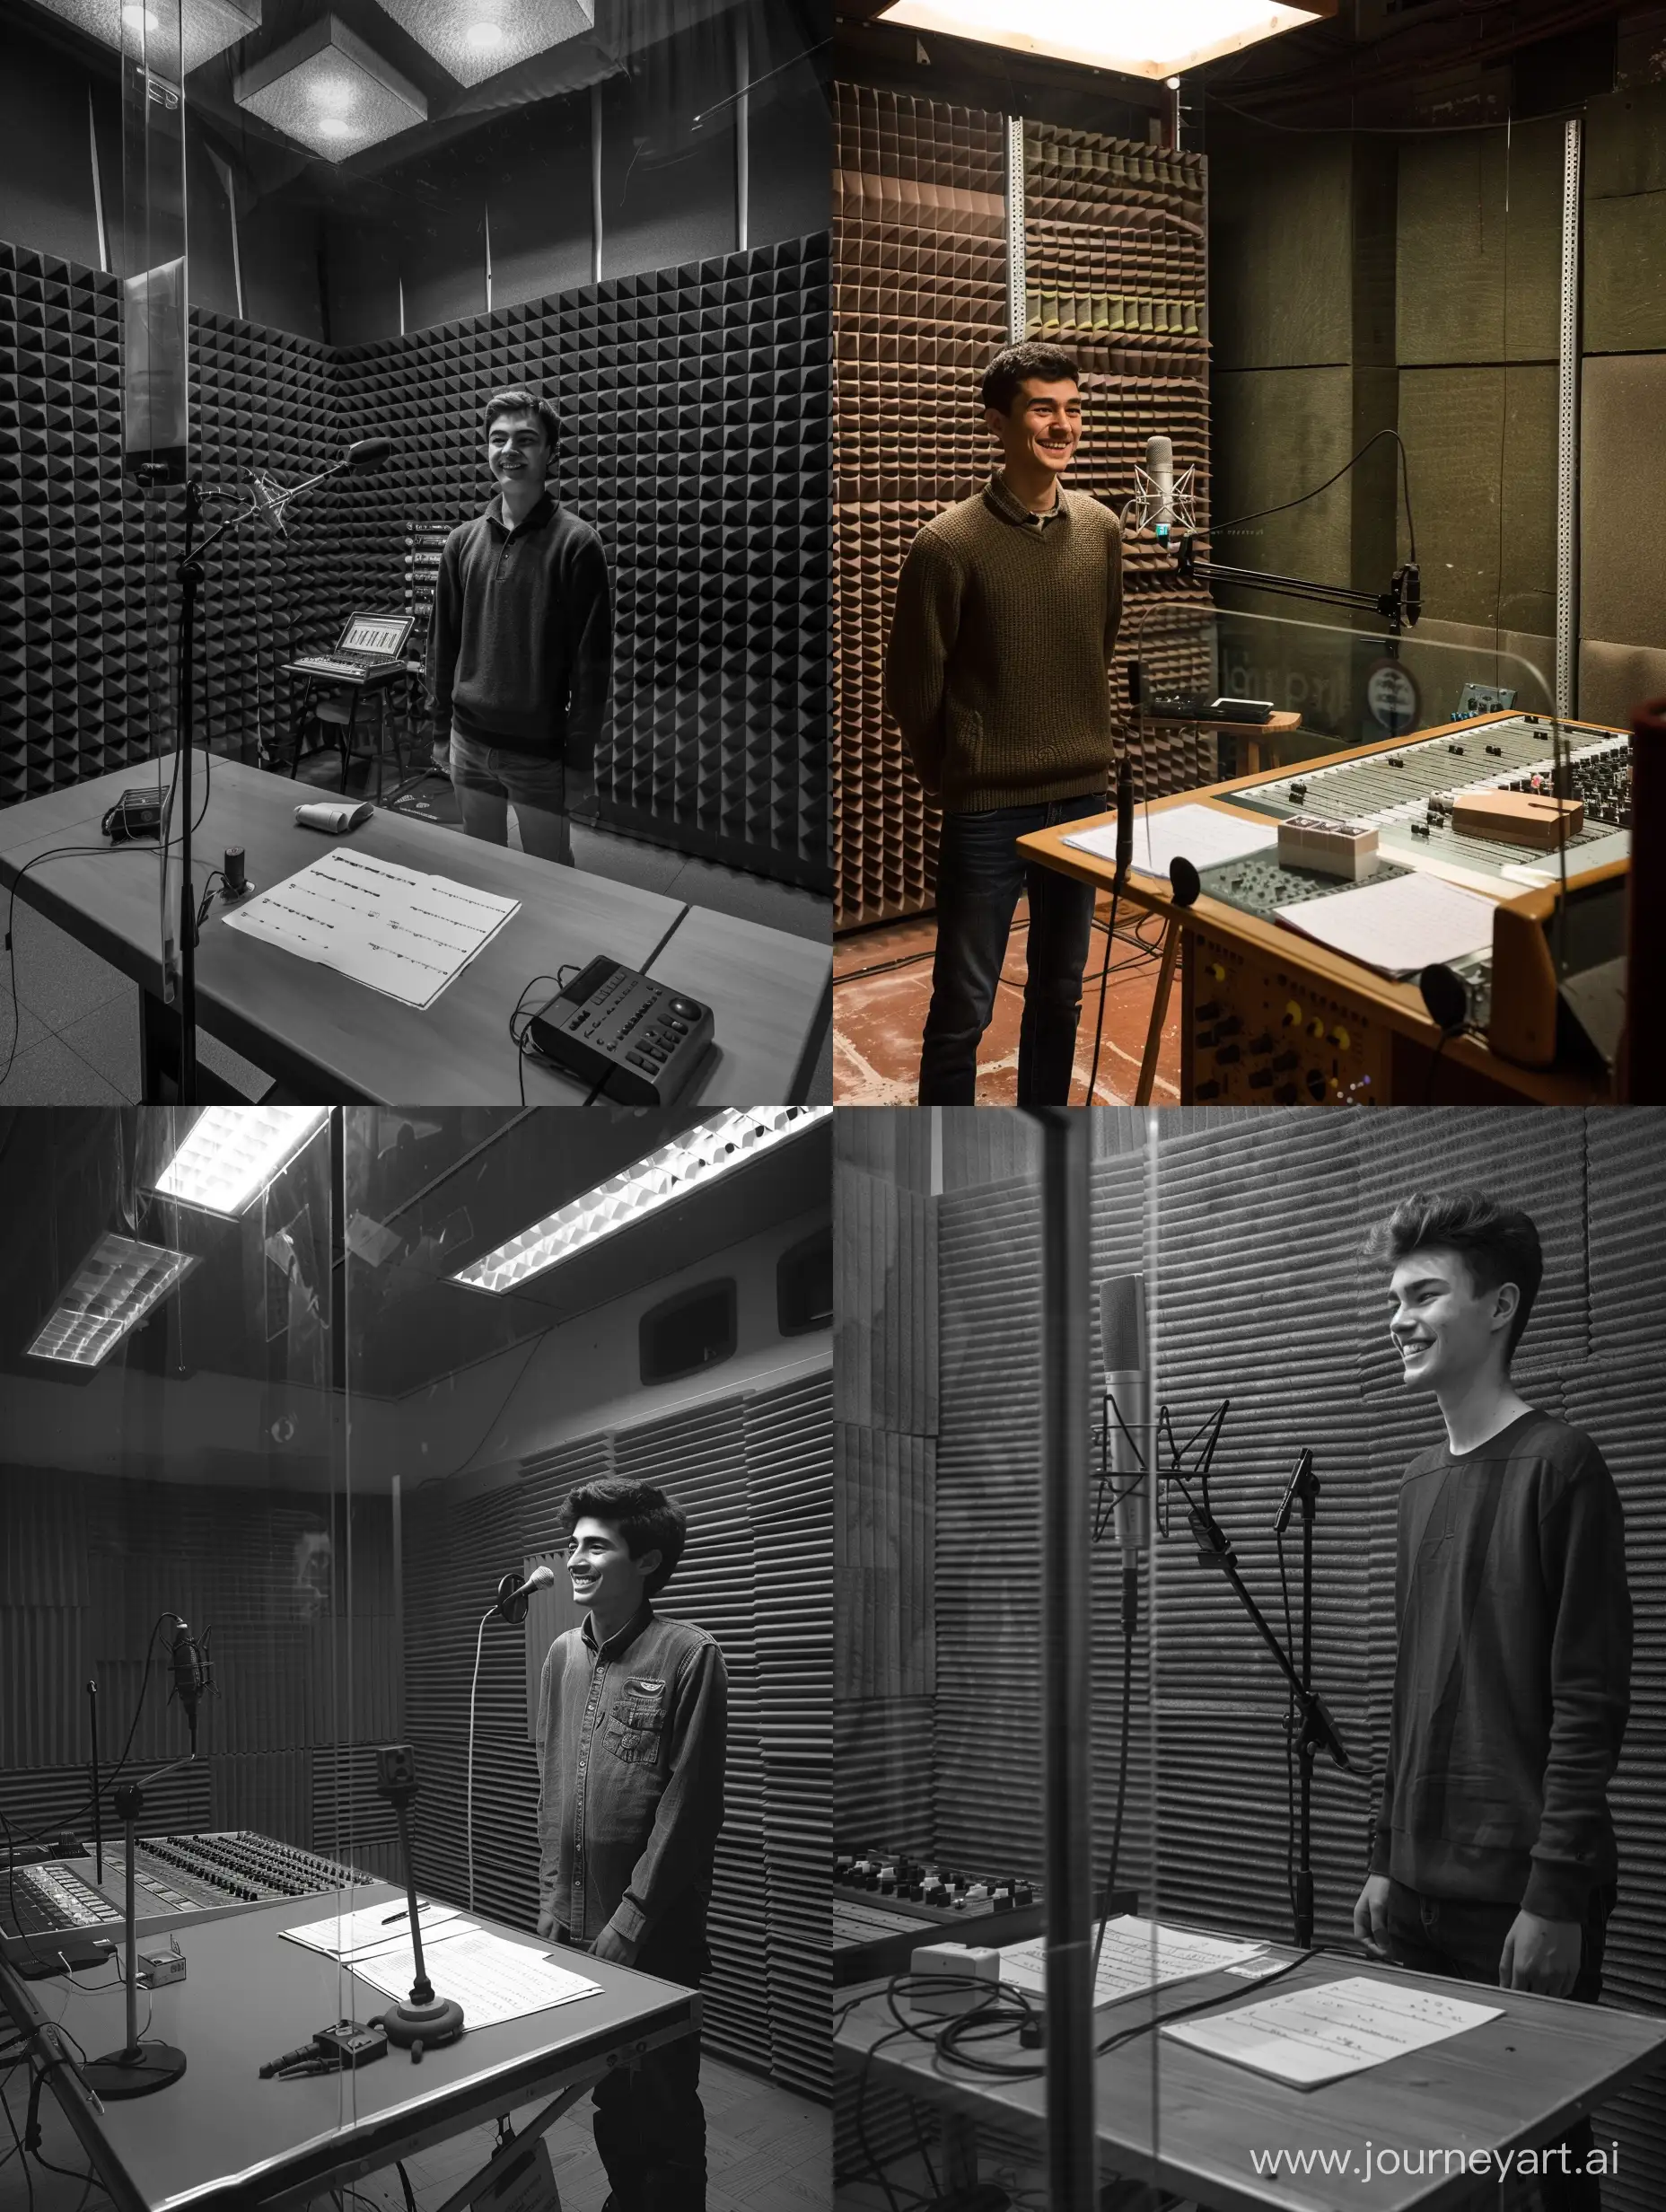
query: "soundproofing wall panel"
694, 404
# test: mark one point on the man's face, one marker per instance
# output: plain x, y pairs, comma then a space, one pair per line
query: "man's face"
517, 452
603, 1575
1044, 427
1446, 1330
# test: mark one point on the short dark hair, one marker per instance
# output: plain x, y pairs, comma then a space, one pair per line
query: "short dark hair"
518, 402
1004, 378
644, 1516
1497, 1243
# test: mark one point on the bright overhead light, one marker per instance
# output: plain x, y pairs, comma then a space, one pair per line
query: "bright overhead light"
481, 41
111, 1292
231, 1153
711, 1149
206, 27
1137, 37
323, 77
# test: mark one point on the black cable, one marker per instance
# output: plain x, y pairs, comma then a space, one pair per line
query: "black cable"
83, 1811
919, 2137
1104, 976
405, 2183
518, 1037
58, 852
1220, 529
29, 2179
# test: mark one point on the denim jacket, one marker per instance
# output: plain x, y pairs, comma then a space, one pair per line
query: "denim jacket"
630, 1755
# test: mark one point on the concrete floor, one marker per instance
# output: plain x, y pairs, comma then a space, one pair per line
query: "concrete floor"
768, 2150
78, 1025
882, 987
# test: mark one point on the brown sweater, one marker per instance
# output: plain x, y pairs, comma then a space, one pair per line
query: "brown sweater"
996, 668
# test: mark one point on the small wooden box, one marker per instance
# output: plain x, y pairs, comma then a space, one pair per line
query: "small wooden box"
1519, 817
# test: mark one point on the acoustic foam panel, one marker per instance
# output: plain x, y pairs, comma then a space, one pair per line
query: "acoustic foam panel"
707, 481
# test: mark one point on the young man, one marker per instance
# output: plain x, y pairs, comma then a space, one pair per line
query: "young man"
1495, 1858
521, 645
996, 671
631, 1722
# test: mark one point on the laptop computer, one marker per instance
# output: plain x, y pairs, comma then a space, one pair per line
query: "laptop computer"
370, 643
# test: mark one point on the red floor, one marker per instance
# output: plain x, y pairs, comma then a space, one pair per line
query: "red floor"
883, 987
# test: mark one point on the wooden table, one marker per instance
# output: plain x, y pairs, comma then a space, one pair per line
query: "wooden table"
1280, 723
328, 1039
1471, 1070
1190, 2123
220, 2138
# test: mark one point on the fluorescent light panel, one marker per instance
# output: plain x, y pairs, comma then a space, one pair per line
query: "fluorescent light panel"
206, 27
330, 92
473, 39
231, 1153
710, 1150
1140, 38
111, 1292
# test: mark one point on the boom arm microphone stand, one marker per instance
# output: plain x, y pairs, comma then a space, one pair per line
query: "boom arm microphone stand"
268, 504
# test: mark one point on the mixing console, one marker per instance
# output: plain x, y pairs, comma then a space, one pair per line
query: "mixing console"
1408, 792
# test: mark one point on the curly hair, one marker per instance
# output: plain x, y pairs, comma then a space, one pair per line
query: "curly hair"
1497, 1244
642, 1514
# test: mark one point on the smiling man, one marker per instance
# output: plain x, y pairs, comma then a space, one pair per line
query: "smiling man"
631, 1720
520, 644
1495, 1858
996, 672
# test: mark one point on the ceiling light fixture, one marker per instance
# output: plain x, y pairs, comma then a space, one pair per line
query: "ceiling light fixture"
331, 91
206, 27
480, 41
111, 1292
1133, 36
701, 1155
231, 1153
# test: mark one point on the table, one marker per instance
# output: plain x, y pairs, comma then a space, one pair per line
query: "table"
1280, 723
221, 2135
1521, 2079
330, 1040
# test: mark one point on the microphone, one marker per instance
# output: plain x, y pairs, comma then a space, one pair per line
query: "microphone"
1127, 1404
369, 452
188, 1675
1160, 469
269, 497
512, 1595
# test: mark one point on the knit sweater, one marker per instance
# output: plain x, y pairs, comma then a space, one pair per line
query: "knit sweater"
1513, 1684
995, 668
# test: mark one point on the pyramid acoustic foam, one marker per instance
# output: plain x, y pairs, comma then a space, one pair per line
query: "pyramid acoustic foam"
695, 411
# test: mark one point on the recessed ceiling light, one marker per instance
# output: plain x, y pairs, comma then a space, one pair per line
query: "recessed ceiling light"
231, 1153
711, 1149
1134, 35
328, 71
514, 29
206, 27
111, 1292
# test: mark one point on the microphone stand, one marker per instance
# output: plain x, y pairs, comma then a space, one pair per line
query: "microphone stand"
270, 506
97, 1821
423, 2019
1400, 604
137, 2069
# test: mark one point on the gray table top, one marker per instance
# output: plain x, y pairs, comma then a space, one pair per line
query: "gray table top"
247, 1998
333, 1040
1519, 2080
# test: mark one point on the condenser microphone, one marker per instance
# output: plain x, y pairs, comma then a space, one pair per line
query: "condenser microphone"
1160, 469
512, 1595
188, 1675
369, 452
1122, 1333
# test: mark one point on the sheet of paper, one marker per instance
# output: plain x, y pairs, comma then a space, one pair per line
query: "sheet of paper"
1309, 2036
492, 1979
375, 1928
1137, 1955
1400, 926
405, 934
1200, 834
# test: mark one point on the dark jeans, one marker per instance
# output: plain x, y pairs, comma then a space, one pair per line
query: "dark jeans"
980, 872
650, 2123
1449, 1935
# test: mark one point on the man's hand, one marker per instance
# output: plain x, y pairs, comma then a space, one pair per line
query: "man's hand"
1542, 1955
1371, 1915
580, 794
611, 1945
546, 1923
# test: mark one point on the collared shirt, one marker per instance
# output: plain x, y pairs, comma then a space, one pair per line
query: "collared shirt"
630, 1750
1006, 502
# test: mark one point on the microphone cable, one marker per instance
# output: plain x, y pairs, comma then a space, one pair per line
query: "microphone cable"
469, 1795
1220, 529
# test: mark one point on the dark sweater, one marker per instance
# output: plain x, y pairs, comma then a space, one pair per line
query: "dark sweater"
521, 647
1514, 1678
996, 668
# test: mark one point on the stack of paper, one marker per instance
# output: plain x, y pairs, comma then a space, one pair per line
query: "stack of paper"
491, 1978
1309, 2036
1190, 831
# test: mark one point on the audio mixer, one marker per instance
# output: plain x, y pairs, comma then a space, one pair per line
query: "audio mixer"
177, 1880
886, 1901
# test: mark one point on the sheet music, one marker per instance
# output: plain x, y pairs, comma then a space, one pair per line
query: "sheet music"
1396, 928
1200, 834
405, 934
375, 1928
1137, 1955
1309, 2036
492, 1979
